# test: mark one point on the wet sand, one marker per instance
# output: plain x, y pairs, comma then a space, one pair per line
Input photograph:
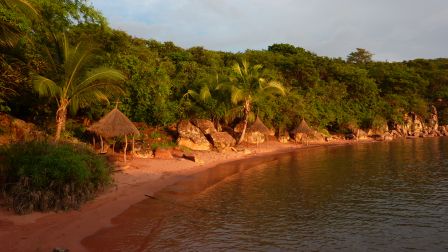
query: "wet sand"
137, 178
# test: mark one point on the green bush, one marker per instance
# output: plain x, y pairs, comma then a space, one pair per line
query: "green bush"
42, 176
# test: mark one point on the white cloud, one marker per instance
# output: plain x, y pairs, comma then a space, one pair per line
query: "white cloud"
394, 30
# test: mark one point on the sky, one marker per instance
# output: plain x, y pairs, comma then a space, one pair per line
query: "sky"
393, 30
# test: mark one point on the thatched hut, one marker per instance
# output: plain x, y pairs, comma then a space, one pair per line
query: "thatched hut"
303, 133
257, 132
114, 124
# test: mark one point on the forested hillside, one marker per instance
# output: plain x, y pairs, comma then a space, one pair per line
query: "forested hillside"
163, 83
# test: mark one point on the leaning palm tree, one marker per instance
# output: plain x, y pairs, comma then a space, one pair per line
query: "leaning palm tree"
10, 33
247, 86
78, 85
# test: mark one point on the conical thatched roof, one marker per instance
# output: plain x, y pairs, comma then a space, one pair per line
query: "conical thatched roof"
303, 128
114, 124
258, 126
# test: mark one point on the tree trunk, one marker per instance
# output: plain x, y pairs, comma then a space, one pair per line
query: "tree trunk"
133, 145
125, 146
246, 112
61, 118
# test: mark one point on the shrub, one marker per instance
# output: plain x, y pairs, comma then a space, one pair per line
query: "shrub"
42, 176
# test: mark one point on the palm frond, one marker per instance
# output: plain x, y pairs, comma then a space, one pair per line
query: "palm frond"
237, 69
193, 94
236, 95
257, 67
21, 5
245, 66
205, 93
275, 87
108, 76
75, 60
86, 99
45, 87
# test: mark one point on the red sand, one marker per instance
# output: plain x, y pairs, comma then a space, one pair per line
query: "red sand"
46, 231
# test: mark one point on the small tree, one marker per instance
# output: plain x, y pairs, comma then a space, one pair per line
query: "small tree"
78, 84
361, 56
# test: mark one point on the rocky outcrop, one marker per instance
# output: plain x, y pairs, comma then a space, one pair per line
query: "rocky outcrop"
206, 126
191, 137
412, 125
222, 140
433, 122
443, 130
388, 136
361, 134
15, 130
306, 138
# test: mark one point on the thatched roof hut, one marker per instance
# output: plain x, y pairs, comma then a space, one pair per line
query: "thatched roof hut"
114, 124
303, 128
257, 132
304, 133
258, 126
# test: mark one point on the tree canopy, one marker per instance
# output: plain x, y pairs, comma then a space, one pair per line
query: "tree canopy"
330, 93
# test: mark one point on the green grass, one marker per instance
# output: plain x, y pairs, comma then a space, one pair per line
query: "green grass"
162, 145
42, 176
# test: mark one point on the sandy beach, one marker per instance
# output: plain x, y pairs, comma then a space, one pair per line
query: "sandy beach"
139, 176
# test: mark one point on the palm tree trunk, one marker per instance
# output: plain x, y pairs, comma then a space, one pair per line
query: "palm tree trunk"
125, 146
246, 112
61, 118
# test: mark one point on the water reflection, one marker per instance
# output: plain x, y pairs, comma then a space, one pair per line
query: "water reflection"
382, 196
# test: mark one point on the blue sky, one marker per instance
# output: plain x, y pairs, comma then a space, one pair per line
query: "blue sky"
390, 29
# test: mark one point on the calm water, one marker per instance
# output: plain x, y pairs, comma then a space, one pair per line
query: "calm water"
381, 196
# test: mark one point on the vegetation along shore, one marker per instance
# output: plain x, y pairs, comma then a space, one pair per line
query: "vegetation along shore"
87, 111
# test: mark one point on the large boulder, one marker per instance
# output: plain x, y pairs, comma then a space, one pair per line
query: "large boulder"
433, 122
222, 140
443, 130
361, 134
412, 125
388, 136
206, 126
191, 137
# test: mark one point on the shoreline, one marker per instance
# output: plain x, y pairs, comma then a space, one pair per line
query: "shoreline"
46, 231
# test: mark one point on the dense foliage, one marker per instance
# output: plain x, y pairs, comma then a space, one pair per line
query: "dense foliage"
44, 176
167, 83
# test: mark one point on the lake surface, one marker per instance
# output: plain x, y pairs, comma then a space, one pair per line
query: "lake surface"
390, 196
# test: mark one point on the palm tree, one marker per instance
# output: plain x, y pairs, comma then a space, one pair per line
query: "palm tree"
10, 33
247, 86
78, 85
